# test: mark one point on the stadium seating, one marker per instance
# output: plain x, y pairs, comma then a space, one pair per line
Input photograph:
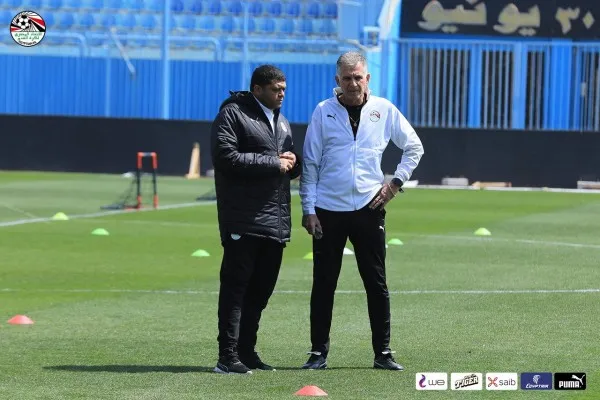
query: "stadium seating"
293, 19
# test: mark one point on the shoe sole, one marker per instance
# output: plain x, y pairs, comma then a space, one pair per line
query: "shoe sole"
220, 371
259, 368
262, 369
322, 366
379, 366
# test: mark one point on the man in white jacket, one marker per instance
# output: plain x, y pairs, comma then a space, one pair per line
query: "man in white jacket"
343, 196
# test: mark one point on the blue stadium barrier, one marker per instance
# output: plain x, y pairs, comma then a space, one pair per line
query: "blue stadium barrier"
500, 84
454, 83
105, 87
440, 83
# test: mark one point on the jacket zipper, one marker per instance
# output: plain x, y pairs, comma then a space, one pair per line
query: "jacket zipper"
353, 161
353, 171
353, 153
354, 145
280, 181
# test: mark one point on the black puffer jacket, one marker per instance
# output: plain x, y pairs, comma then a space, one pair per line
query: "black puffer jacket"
253, 196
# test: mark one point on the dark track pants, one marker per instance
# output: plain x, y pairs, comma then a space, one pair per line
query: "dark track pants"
366, 230
249, 271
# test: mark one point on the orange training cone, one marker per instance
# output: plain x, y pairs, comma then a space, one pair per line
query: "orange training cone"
311, 391
20, 320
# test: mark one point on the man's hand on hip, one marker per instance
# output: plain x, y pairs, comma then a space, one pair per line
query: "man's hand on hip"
312, 225
387, 192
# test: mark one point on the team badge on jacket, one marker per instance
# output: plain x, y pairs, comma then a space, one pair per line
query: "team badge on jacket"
374, 116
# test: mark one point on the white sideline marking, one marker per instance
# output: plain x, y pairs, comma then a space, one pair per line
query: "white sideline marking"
407, 292
510, 189
203, 203
105, 213
450, 237
496, 239
18, 210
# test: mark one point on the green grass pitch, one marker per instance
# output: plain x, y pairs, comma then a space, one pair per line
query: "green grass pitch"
133, 316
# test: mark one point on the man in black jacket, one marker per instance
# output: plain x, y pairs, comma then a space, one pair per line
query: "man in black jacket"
252, 152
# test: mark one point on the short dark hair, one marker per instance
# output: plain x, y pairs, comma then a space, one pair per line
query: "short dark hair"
266, 74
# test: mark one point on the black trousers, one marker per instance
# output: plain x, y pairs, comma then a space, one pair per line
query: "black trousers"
249, 271
366, 230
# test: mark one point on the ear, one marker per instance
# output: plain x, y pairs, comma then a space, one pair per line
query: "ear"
368, 78
337, 80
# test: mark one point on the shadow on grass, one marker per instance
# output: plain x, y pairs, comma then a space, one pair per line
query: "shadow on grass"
175, 369
322, 371
131, 369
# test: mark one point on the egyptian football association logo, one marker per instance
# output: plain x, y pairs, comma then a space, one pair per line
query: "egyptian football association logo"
27, 28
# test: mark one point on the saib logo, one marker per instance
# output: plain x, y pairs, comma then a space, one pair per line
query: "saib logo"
431, 380
501, 381
536, 381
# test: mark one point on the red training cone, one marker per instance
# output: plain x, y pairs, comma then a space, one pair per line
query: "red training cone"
20, 320
311, 391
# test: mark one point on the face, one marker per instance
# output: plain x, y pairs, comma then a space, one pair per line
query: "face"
271, 95
354, 82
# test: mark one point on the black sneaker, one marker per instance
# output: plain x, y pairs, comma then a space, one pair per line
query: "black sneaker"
315, 361
231, 365
253, 361
386, 361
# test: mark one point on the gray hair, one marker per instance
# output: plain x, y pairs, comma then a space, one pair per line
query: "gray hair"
350, 59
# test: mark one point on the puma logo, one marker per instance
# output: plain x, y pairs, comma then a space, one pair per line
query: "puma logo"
331, 116
382, 228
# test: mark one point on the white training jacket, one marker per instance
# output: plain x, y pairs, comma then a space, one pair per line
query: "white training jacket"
340, 173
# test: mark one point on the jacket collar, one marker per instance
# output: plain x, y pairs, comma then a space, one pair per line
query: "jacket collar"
247, 98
